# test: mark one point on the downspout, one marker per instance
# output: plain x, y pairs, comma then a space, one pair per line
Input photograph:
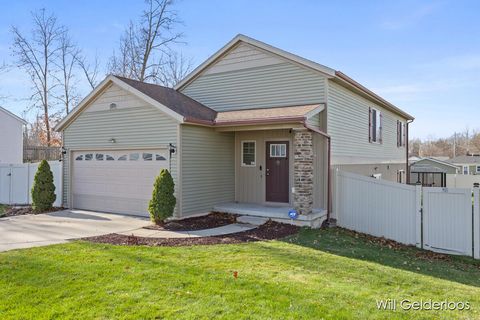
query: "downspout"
329, 172
406, 151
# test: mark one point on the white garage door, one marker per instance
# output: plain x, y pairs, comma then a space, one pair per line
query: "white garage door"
116, 181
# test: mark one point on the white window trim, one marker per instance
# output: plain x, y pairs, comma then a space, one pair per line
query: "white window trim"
254, 153
379, 124
463, 169
276, 156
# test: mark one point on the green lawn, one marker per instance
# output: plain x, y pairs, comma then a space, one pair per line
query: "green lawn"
327, 273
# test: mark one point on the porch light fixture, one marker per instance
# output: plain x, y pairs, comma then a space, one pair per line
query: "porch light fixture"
172, 148
113, 106
112, 140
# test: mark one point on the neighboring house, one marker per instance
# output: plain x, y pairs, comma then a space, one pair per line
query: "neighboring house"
441, 158
469, 164
251, 125
11, 137
431, 172
413, 159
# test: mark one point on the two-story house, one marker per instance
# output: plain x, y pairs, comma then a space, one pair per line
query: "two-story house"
253, 130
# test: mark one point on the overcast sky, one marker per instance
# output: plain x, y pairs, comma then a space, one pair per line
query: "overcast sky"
423, 56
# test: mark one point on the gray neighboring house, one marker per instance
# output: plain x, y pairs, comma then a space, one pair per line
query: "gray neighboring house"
468, 164
253, 130
431, 172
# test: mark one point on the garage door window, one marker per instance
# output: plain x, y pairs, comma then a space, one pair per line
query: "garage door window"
133, 157
147, 156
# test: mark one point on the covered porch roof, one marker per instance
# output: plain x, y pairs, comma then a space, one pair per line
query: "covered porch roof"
271, 117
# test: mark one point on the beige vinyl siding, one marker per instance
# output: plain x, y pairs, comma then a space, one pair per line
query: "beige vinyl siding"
243, 56
142, 126
284, 84
318, 121
250, 181
114, 94
388, 171
208, 172
348, 126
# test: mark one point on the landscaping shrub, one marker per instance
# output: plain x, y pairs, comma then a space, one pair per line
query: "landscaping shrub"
43, 190
163, 201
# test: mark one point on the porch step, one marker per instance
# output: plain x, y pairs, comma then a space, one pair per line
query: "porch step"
256, 221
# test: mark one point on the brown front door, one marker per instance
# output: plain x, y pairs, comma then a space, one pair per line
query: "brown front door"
277, 171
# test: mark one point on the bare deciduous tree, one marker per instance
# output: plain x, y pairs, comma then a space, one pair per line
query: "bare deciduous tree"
174, 69
35, 55
90, 71
144, 47
68, 58
463, 143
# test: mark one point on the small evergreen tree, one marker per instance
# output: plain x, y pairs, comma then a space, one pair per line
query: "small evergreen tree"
163, 201
43, 190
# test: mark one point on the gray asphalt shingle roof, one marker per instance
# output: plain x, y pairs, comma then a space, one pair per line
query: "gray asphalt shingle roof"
173, 100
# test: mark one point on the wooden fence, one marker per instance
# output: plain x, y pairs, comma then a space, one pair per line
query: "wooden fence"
38, 153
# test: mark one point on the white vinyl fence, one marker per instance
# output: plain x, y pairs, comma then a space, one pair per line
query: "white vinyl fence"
16, 181
446, 221
377, 207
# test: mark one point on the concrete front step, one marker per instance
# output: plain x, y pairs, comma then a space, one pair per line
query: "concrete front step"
256, 221
276, 213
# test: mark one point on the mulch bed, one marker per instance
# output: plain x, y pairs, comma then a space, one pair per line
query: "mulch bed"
212, 220
20, 211
268, 231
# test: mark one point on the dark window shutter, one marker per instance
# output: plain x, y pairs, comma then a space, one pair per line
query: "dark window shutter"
380, 126
398, 133
369, 124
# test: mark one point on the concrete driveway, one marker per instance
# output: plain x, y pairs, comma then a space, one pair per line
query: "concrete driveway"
59, 227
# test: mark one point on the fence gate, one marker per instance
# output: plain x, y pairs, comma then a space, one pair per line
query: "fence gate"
447, 220
16, 181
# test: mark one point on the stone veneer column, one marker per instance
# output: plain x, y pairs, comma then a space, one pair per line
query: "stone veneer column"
303, 171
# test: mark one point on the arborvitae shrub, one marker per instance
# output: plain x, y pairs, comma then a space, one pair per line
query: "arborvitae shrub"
43, 190
163, 201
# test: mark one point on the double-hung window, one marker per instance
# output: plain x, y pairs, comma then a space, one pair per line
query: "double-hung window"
375, 126
465, 170
248, 153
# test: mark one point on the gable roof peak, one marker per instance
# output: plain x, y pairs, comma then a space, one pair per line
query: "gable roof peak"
13, 115
330, 73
